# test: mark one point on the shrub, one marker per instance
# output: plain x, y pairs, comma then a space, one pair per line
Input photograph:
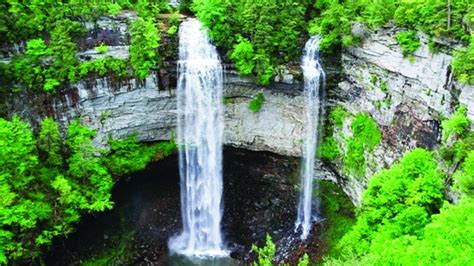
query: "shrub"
464, 180
144, 44
104, 66
408, 41
127, 155
337, 116
102, 49
243, 56
47, 183
266, 254
398, 202
256, 103
260, 34
463, 64
329, 149
365, 137
458, 124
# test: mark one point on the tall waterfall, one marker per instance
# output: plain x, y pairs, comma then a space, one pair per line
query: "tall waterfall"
314, 78
199, 136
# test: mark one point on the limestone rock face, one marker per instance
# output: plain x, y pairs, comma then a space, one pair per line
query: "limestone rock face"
278, 127
405, 97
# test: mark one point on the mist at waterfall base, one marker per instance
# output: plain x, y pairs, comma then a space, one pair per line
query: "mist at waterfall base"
314, 79
199, 139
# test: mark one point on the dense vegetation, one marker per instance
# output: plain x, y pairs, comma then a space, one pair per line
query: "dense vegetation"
405, 218
48, 34
260, 35
365, 137
48, 181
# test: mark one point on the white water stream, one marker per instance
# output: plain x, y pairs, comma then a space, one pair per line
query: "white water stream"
199, 139
314, 78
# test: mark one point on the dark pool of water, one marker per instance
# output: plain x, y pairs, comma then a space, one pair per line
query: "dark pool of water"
259, 198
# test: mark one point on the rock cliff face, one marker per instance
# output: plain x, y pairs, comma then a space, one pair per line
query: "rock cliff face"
127, 107
122, 107
406, 99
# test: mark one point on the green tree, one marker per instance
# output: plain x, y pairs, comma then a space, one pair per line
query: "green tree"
397, 202
144, 45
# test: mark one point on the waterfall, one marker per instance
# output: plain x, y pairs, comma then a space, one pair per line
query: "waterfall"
174, 3
314, 77
199, 138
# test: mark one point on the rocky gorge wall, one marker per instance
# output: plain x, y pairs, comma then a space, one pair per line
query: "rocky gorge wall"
120, 107
406, 99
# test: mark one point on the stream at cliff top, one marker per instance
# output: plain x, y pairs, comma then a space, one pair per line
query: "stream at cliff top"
259, 197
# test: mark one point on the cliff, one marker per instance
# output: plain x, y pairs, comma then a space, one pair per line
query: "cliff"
407, 99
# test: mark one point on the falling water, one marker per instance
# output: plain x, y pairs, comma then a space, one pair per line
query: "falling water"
199, 136
314, 77
174, 3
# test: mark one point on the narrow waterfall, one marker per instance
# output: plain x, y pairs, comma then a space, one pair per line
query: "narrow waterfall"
314, 78
199, 137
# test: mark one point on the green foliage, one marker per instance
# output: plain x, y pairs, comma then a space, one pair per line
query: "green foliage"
333, 24
46, 183
116, 253
354, 159
444, 241
104, 66
384, 86
365, 137
329, 149
463, 65
126, 156
114, 9
30, 66
185, 5
49, 141
337, 210
243, 55
51, 31
85, 162
304, 261
260, 35
228, 100
256, 103
172, 30
408, 41
266, 254
397, 203
145, 41
464, 180
458, 124
337, 116
365, 130
334, 18
431, 16
102, 48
